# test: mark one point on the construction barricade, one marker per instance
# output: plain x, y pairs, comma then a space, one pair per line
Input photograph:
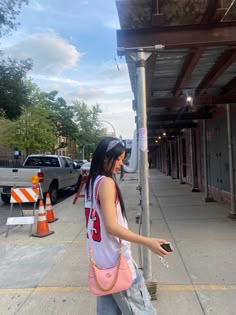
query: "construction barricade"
19, 196
82, 184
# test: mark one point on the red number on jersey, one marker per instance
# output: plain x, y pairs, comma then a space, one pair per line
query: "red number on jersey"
96, 225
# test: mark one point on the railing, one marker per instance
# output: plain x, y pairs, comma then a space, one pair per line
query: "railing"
9, 161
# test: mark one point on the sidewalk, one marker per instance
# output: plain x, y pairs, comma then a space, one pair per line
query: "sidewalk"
49, 275
201, 277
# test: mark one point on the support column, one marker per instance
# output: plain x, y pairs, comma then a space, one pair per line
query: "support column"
232, 213
143, 146
171, 161
180, 160
162, 158
206, 190
159, 157
193, 161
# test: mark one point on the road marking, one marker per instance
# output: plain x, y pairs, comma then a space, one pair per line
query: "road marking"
196, 287
42, 242
207, 239
42, 290
164, 287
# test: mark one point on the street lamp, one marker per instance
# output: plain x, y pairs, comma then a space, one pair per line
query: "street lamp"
88, 144
114, 131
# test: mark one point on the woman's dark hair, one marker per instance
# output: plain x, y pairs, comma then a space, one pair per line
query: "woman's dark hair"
107, 152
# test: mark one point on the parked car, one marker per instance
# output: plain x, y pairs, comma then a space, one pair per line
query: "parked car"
54, 172
84, 171
80, 162
85, 168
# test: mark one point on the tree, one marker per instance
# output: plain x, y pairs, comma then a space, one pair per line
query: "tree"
9, 9
13, 94
31, 132
13, 87
61, 116
35, 97
89, 130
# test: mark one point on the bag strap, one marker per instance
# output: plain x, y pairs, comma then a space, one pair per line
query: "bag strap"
93, 264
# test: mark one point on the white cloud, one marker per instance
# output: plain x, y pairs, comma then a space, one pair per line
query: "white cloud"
87, 94
57, 79
36, 6
51, 54
123, 122
56, 63
114, 70
116, 108
112, 23
107, 86
94, 92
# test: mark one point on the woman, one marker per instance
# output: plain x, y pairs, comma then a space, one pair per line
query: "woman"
110, 225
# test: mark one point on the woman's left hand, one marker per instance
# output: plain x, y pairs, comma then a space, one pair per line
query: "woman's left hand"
154, 244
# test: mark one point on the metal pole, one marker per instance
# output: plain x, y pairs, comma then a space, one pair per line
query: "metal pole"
88, 144
161, 167
171, 160
83, 151
232, 213
163, 151
205, 160
206, 190
193, 160
180, 161
144, 174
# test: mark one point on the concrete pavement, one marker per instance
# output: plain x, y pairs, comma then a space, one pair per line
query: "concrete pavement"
49, 275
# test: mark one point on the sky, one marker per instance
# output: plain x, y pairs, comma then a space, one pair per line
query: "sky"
73, 47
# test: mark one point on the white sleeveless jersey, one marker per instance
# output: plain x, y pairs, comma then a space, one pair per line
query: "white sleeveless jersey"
105, 247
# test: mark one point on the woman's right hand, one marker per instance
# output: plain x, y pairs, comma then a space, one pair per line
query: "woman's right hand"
154, 244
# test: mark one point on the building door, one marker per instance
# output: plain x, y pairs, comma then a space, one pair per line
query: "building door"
217, 154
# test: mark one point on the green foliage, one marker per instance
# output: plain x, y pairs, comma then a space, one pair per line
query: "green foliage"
31, 132
13, 87
13, 93
89, 130
9, 9
35, 96
61, 115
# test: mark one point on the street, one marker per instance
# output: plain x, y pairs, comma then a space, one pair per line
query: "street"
49, 275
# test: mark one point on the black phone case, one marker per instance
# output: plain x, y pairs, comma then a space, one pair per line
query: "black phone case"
167, 247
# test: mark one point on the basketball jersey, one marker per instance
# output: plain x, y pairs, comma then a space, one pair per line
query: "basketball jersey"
105, 247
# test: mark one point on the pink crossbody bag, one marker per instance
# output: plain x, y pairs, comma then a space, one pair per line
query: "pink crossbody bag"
103, 281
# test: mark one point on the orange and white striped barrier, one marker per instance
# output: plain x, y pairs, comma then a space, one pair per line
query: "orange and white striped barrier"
42, 224
49, 211
19, 195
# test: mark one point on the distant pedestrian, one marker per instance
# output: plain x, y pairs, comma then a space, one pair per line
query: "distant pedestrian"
150, 163
111, 225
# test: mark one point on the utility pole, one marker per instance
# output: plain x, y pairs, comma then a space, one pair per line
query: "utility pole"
143, 153
84, 147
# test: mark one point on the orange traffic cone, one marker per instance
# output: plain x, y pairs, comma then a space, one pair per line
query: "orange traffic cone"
49, 210
42, 225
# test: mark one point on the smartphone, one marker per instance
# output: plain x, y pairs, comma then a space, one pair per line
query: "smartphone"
167, 246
